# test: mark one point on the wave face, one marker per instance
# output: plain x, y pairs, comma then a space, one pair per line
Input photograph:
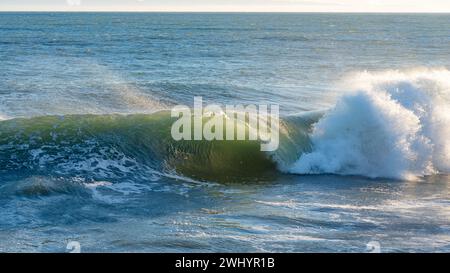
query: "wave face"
392, 124
140, 146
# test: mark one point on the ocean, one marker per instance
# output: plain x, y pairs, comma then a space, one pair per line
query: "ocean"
86, 154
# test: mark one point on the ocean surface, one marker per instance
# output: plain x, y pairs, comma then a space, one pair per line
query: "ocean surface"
86, 154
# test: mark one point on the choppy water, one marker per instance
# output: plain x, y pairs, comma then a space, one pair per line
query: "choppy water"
85, 154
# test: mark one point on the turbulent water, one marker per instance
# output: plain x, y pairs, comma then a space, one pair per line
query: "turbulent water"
86, 153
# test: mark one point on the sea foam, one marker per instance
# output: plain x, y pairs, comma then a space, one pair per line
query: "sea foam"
392, 124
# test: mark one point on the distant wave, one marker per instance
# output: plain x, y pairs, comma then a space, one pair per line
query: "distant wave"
283, 38
393, 124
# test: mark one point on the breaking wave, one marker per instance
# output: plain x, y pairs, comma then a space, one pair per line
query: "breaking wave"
391, 124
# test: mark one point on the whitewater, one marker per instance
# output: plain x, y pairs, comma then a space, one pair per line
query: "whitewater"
393, 124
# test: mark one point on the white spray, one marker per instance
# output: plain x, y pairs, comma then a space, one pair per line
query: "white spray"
393, 124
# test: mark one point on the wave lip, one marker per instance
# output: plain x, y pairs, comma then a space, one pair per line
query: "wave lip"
392, 124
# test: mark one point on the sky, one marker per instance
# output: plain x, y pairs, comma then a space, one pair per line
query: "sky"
229, 5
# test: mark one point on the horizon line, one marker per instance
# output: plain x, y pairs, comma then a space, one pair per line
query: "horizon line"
225, 11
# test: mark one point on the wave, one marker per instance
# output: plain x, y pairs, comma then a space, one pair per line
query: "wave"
392, 124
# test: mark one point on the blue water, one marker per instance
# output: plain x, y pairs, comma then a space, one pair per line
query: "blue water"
117, 199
